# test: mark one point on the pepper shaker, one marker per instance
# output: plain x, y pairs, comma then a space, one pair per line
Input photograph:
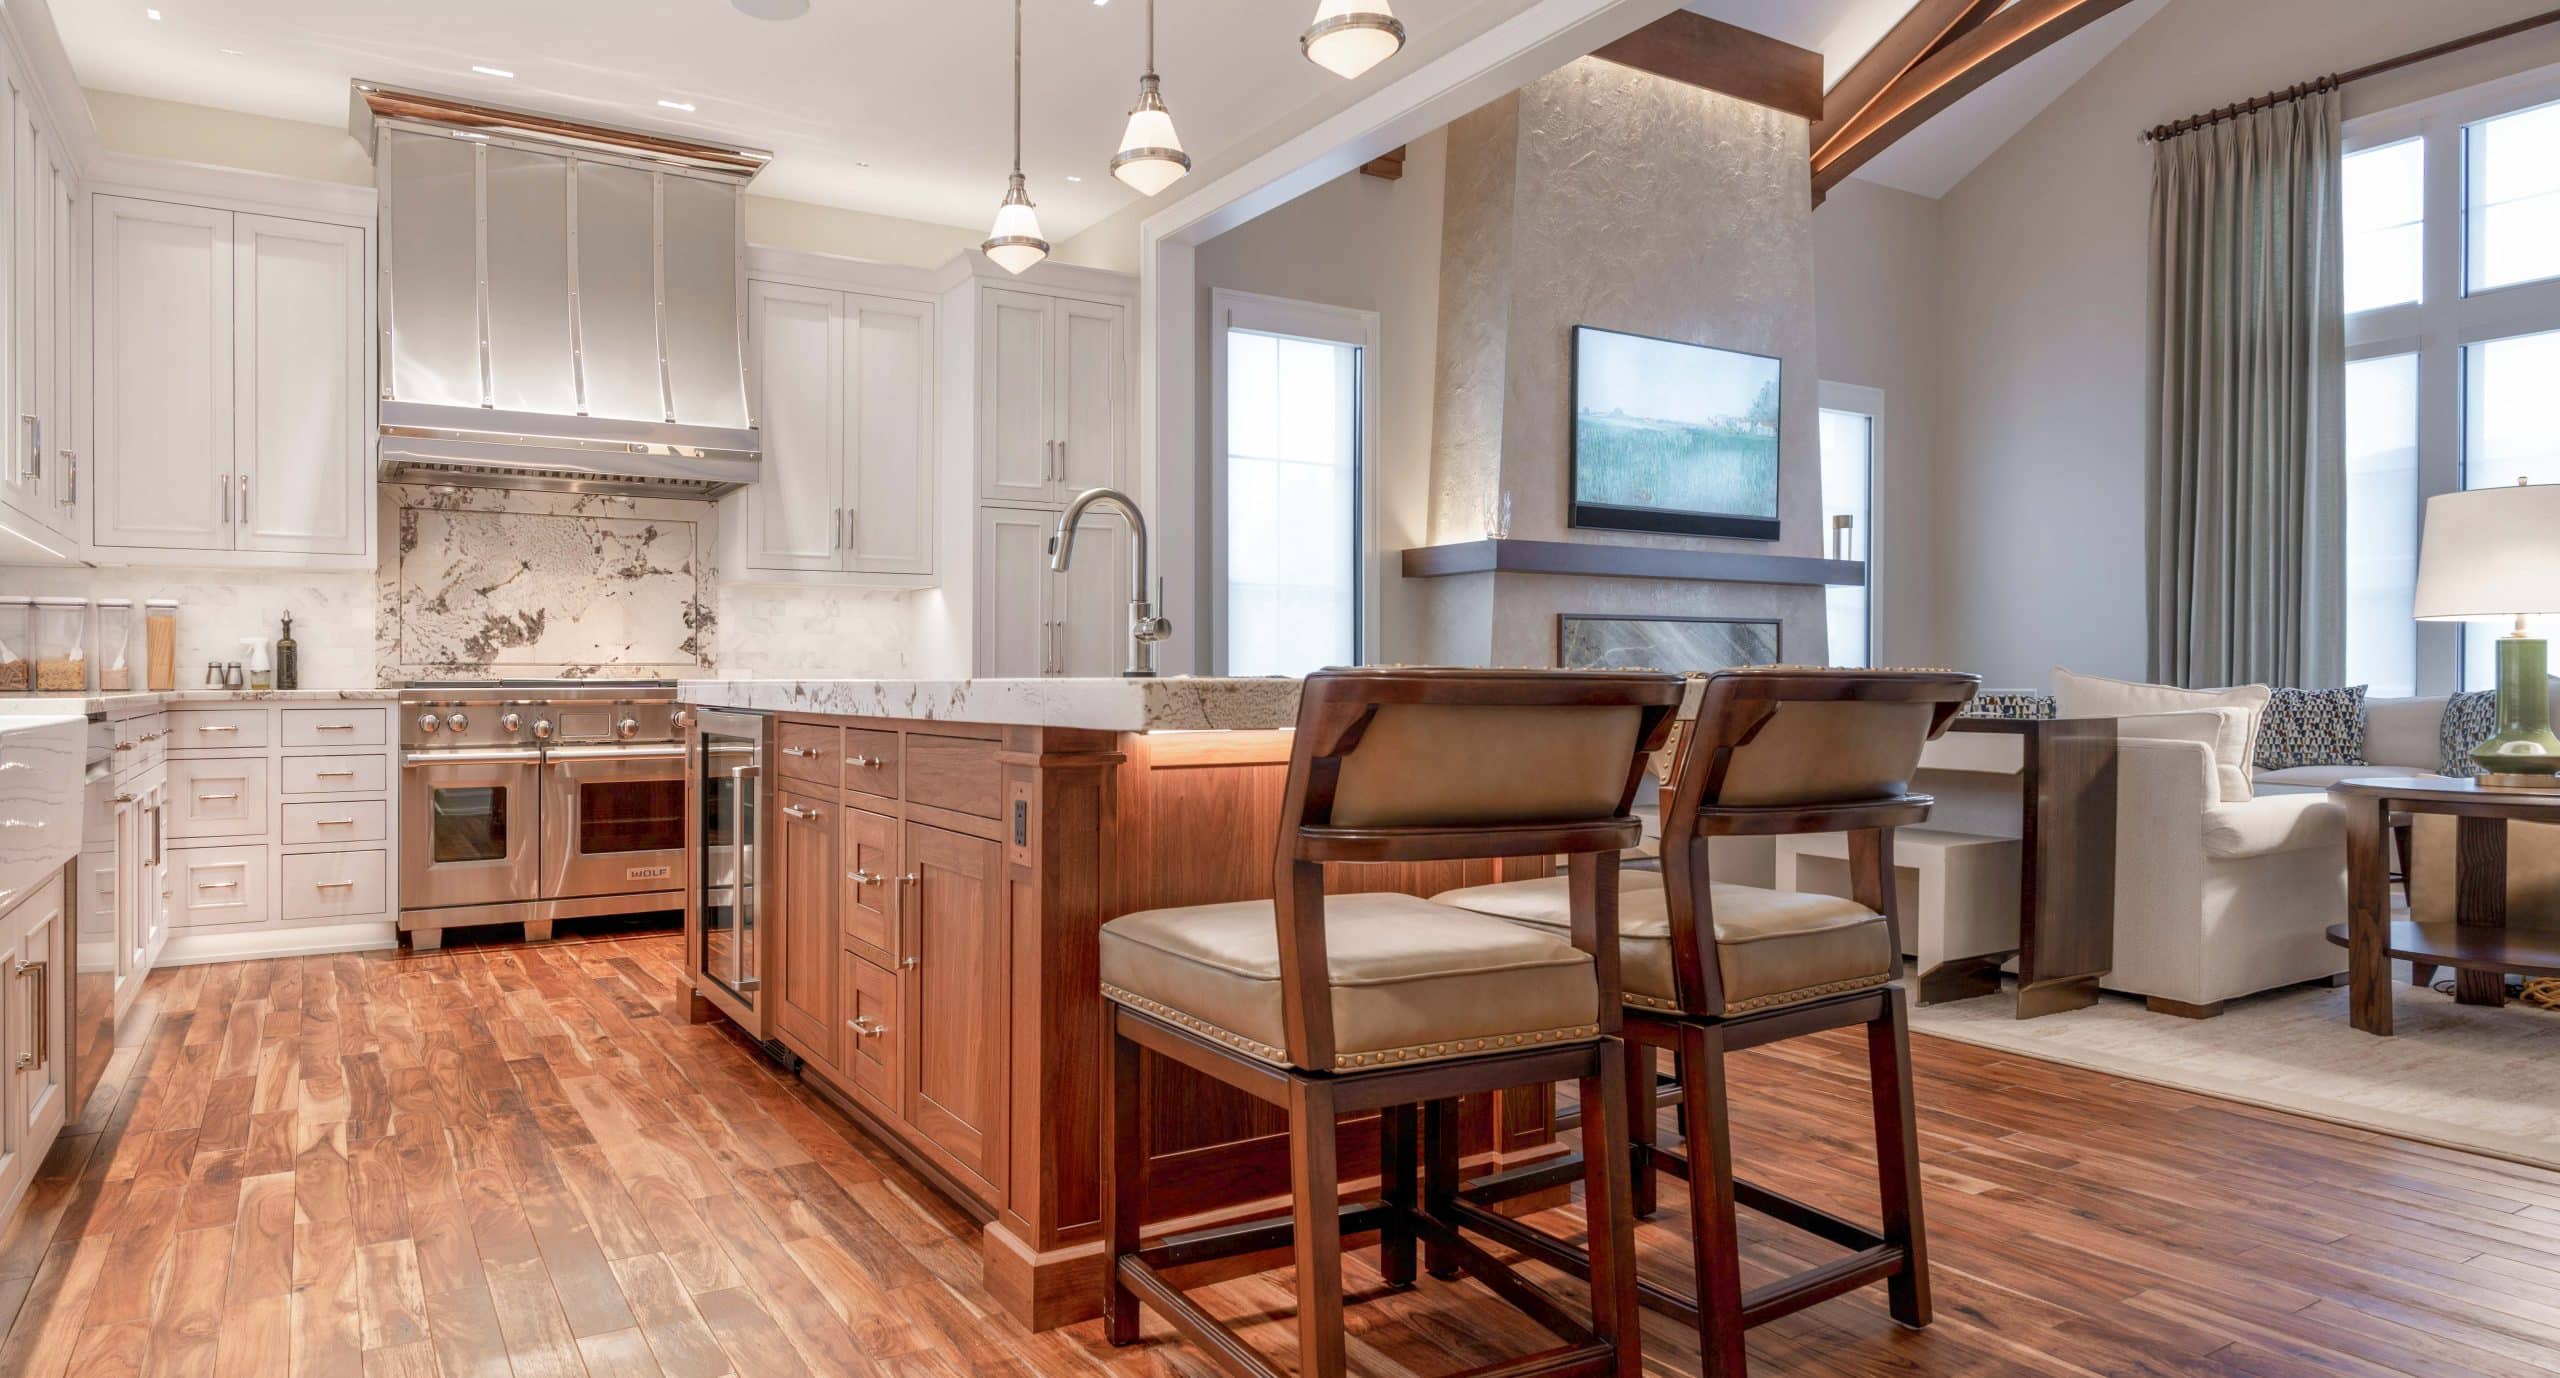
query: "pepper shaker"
233, 677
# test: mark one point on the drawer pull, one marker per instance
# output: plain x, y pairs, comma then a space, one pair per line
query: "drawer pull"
864, 877
907, 963
333, 885
795, 811
43, 971
868, 1027
211, 798
799, 751
217, 727
217, 885
867, 762
909, 878
333, 774
333, 727
333, 822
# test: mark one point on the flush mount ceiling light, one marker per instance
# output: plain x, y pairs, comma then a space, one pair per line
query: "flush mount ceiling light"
683, 105
1351, 36
1015, 243
1150, 157
493, 71
771, 9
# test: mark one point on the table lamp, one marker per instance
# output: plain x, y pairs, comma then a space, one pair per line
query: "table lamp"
2495, 552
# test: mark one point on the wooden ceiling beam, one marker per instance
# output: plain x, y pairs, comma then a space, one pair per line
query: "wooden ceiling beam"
1955, 70
1922, 30
1690, 48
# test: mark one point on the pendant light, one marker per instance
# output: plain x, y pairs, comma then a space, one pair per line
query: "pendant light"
1150, 157
1015, 243
1351, 36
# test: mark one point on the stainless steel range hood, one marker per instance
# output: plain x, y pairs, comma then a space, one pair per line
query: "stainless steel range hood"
562, 305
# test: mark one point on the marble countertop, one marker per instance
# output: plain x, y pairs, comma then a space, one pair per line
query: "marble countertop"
141, 699
1179, 703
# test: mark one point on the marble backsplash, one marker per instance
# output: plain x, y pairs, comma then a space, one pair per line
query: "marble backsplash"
480, 583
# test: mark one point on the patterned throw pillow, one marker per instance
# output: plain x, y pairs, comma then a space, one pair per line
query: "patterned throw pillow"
2468, 721
2014, 705
2312, 727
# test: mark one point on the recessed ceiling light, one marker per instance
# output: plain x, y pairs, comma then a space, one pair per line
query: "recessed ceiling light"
1071, 176
771, 9
152, 15
493, 71
684, 105
231, 52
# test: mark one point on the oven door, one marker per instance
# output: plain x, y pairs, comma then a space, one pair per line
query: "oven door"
613, 821
470, 827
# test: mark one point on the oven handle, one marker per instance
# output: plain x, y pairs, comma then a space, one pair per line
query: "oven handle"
470, 758
671, 751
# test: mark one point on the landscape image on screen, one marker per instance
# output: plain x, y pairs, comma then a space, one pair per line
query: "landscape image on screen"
1674, 427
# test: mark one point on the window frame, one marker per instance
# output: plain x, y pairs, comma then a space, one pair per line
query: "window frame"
2447, 319
1861, 400
1230, 309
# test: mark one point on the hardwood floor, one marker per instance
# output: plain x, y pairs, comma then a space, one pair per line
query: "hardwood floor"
519, 1160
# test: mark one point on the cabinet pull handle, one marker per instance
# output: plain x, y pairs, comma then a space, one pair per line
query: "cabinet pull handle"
868, 1027
867, 762
223, 483
333, 885
333, 727
1048, 460
217, 885
70, 477
1062, 460
849, 529
862, 876
31, 463
799, 751
211, 798
244, 499
333, 775
795, 811
907, 963
334, 823
835, 540
908, 879
217, 727
43, 1055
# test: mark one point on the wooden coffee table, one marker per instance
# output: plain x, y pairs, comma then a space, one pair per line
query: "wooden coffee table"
2477, 945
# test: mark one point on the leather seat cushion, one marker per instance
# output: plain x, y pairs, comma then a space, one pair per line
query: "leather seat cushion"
1773, 947
1412, 981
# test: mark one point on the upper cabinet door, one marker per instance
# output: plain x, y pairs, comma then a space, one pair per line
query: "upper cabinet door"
1017, 436
888, 430
1090, 602
162, 384
1093, 397
1013, 631
31, 305
795, 510
63, 471
298, 341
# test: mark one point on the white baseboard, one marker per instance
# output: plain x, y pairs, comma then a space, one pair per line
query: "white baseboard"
194, 949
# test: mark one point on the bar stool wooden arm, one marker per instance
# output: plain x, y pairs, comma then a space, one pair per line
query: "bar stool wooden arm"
1327, 1005
1770, 753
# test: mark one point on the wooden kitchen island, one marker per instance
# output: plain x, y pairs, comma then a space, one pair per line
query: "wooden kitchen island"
941, 858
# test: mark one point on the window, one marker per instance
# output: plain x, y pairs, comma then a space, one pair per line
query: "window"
1293, 410
2452, 278
1848, 439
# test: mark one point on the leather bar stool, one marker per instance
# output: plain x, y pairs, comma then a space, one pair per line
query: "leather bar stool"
1336, 1004
1712, 968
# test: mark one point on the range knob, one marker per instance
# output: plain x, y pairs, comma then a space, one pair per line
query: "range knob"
430, 724
683, 718
512, 723
627, 729
542, 729
458, 722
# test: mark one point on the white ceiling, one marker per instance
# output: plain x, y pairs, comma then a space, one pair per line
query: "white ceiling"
903, 108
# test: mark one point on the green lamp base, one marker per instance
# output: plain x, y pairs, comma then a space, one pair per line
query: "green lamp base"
2523, 754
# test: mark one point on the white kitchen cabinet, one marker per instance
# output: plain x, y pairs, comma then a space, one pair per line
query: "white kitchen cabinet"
1052, 404
30, 958
1033, 621
845, 407
38, 475
229, 399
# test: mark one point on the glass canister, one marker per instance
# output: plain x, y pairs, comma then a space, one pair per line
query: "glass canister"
114, 624
17, 643
62, 645
160, 635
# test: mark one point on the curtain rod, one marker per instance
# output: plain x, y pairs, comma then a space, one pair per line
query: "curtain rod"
2336, 79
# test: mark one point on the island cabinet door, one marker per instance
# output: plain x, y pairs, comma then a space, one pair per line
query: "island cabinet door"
871, 887
807, 1016
958, 1025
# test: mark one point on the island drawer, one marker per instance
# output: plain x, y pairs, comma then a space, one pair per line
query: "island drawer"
218, 798
358, 820
329, 885
226, 729
810, 753
328, 774
871, 761
335, 726
871, 1030
956, 773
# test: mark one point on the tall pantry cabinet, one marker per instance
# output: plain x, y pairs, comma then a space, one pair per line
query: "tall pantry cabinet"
41, 477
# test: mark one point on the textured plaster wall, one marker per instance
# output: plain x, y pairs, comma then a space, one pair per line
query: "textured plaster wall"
1600, 195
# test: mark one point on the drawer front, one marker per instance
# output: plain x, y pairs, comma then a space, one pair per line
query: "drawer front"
332, 885
220, 729
810, 754
871, 1030
955, 773
871, 762
215, 887
334, 774
336, 726
218, 797
357, 820
871, 886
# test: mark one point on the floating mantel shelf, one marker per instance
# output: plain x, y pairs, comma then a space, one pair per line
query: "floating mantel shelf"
1625, 562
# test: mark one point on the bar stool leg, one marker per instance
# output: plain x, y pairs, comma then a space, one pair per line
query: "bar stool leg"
1898, 1158
1124, 1184
1316, 1195
1715, 1237
1644, 1128
1440, 1179
1398, 1130
1607, 1204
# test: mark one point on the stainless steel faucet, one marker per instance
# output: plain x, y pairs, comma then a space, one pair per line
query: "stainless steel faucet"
1146, 626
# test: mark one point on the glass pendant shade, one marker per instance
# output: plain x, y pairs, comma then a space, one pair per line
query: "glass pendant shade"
1015, 243
1349, 37
1150, 157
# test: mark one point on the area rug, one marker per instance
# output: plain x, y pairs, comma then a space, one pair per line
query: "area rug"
2467, 1077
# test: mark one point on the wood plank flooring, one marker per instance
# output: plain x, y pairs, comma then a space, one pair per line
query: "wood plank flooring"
519, 1161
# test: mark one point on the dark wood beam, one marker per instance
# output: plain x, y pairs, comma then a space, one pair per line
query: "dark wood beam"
1946, 76
1688, 47
1925, 28
1387, 166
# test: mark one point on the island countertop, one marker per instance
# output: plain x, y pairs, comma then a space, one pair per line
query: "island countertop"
1174, 703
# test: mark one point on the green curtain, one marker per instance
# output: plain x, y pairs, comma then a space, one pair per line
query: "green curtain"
2247, 513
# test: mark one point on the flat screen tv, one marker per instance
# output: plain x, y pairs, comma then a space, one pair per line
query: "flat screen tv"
1673, 437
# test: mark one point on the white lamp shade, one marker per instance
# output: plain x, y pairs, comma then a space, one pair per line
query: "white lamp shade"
1015, 243
2490, 552
1349, 37
1151, 156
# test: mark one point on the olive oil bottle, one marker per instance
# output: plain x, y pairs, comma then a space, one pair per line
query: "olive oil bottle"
288, 658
